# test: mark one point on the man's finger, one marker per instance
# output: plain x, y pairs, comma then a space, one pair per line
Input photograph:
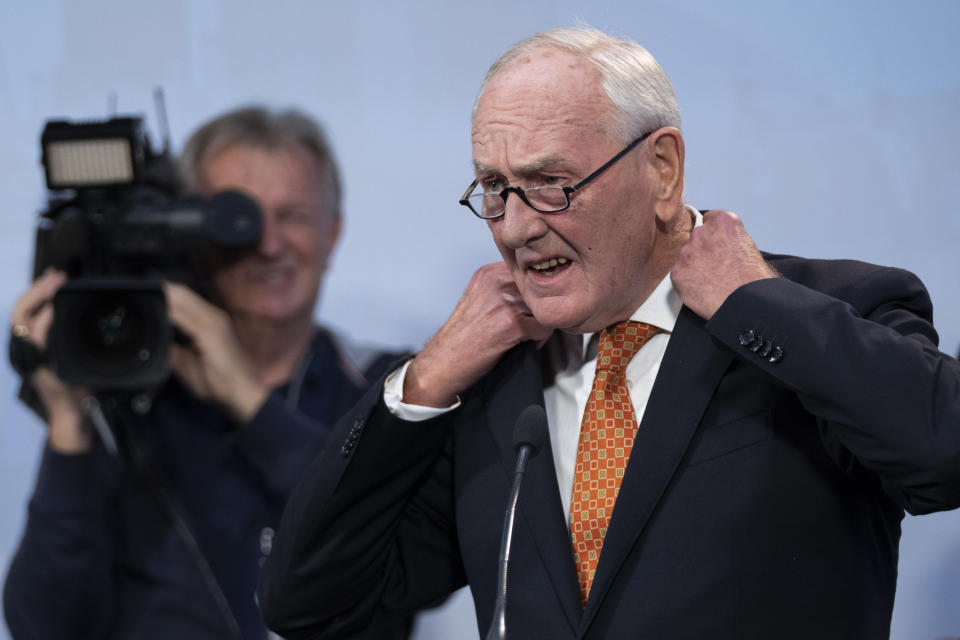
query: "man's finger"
190, 313
716, 215
40, 328
39, 294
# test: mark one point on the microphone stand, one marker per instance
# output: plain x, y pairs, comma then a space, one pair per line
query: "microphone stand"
529, 434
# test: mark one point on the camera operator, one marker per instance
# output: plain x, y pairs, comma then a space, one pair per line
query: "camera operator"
166, 539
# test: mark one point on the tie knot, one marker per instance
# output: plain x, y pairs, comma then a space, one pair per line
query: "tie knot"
619, 343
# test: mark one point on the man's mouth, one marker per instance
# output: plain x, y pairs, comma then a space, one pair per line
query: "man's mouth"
550, 266
268, 275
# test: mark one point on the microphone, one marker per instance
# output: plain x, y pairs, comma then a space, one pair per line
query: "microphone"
529, 434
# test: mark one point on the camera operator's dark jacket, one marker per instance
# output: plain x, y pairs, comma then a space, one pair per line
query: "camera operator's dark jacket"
167, 541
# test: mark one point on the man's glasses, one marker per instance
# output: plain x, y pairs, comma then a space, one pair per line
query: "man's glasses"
545, 199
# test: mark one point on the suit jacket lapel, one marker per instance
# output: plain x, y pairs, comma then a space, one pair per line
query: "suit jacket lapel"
691, 369
516, 384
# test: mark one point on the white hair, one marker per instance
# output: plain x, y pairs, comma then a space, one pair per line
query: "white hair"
639, 90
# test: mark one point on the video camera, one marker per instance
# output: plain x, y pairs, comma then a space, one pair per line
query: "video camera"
118, 223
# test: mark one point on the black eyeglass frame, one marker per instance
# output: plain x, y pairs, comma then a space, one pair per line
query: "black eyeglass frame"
567, 191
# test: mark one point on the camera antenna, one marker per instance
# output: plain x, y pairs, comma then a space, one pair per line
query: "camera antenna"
162, 121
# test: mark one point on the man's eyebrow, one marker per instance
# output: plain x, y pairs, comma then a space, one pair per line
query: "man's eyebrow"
481, 169
552, 162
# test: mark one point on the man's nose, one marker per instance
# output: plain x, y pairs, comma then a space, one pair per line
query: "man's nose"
520, 223
272, 239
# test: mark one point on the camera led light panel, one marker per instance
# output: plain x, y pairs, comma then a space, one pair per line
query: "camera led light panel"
77, 163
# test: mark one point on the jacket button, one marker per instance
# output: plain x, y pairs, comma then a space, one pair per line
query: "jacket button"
266, 540
757, 344
776, 355
765, 349
746, 338
345, 450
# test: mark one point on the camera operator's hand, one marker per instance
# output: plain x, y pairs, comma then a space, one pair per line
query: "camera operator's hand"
214, 366
30, 320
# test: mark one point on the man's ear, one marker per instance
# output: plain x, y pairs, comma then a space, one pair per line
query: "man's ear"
666, 154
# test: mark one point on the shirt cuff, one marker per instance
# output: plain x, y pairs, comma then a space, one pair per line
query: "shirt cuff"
393, 398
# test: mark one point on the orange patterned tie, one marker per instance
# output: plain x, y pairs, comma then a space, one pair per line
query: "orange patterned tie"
606, 438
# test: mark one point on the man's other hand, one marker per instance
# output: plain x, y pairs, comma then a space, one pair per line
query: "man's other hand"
719, 257
213, 366
31, 319
489, 319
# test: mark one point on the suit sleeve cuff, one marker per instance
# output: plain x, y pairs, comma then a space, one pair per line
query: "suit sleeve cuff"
751, 323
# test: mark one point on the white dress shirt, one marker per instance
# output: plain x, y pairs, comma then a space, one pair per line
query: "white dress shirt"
572, 359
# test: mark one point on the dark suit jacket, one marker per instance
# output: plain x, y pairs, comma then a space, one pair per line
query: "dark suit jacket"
763, 496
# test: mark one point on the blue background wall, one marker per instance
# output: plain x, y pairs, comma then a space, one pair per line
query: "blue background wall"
831, 128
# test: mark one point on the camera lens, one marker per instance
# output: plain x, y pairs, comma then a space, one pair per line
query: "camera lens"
114, 334
110, 334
